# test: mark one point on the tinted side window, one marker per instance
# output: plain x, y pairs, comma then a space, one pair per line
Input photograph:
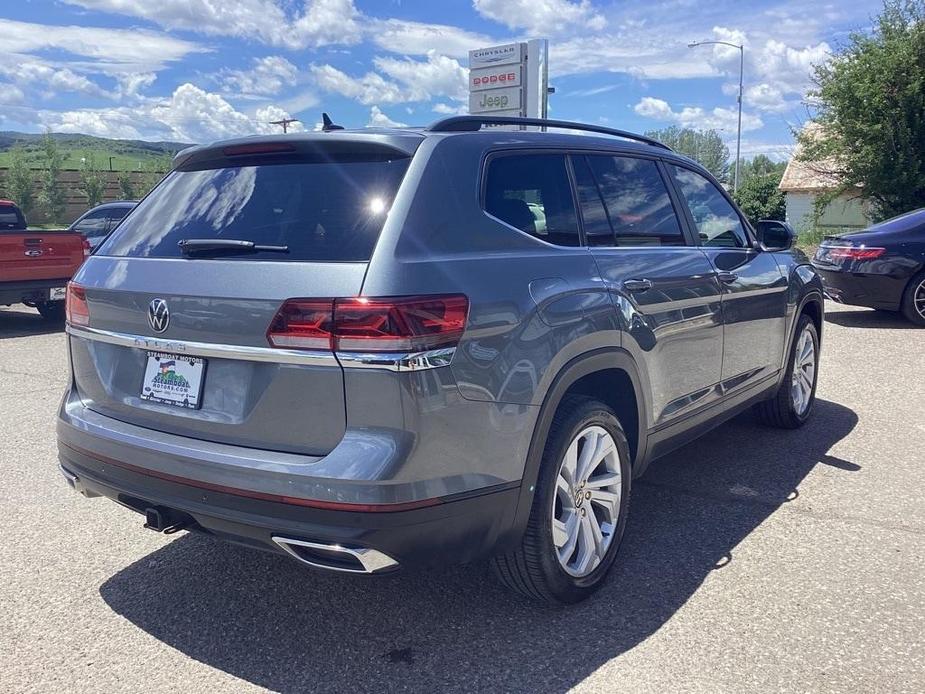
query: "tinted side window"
598, 231
637, 201
94, 224
531, 192
717, 222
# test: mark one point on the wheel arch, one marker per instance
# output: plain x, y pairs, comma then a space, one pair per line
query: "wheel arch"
603, 374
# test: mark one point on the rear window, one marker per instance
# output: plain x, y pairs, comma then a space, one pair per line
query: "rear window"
323, 211
10, 218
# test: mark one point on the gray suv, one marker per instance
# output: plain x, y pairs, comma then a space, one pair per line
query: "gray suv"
381, 348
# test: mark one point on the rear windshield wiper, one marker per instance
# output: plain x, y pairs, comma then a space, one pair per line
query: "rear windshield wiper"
226, 247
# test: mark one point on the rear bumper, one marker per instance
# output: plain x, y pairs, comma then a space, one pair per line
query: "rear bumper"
861, 289
452, 530
250, 496
32, 291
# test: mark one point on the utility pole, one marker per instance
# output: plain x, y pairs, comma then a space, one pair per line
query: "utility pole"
741, 47
285, 123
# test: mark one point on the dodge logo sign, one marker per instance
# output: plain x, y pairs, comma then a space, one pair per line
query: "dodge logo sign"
158, 315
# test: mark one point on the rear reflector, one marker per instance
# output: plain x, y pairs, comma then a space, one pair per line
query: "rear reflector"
76, 309
854, 252
360, 324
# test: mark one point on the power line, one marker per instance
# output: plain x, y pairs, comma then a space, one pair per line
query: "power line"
285, 123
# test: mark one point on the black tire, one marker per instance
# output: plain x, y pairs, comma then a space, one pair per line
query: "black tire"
52, 311
533, 569
780, 411
908, 304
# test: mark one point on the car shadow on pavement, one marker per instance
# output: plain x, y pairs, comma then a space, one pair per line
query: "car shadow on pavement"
267, 620
21, 321
868, 318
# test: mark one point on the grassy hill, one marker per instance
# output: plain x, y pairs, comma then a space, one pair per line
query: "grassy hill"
126, 155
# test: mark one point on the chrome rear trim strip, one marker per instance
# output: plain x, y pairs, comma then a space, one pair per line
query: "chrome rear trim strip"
398, 361
205, 349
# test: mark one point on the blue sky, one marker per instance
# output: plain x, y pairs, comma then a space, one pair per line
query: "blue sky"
198, 70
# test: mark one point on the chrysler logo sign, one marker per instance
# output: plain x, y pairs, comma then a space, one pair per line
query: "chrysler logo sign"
158, 315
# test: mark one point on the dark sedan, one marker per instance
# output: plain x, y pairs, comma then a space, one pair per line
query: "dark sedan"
882, 266
96, 224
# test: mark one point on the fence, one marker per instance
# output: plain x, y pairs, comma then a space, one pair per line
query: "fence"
75, 201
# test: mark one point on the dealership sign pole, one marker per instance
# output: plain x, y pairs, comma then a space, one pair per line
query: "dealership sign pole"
510, 80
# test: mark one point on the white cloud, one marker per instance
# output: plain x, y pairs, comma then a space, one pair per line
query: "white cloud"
11, 94
722, 119
377, 119
132, 83
267, 76
320, 23
638, 54
190, 114
109, 50
777, 75
542, 17
265, 117
451, 110
367, 89
405, 80
436, 76
417, 38
50, 79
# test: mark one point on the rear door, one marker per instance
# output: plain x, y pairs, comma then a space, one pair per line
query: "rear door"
754, 288
177, 342
665, 293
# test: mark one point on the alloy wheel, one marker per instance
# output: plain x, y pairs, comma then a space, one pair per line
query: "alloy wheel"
586, 503
918, 299
804, 372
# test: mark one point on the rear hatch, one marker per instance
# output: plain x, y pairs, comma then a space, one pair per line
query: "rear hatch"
181, 296
39, 255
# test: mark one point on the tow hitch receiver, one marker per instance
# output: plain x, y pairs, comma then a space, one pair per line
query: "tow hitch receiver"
165, 520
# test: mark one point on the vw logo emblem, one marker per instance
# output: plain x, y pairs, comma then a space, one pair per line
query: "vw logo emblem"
158, 315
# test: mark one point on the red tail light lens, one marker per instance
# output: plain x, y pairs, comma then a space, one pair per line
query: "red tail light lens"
855, 252
303, 324
401, 324
75, 306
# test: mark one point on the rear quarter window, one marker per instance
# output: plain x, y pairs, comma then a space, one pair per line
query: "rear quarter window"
321, 210
532, 193
11, 218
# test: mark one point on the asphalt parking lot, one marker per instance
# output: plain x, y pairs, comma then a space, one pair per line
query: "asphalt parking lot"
755, 560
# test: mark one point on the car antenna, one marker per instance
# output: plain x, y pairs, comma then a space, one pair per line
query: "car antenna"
327, 125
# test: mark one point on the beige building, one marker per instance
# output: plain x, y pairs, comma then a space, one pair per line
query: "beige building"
802, 183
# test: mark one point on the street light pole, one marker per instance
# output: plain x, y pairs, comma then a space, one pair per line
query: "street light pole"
741, 47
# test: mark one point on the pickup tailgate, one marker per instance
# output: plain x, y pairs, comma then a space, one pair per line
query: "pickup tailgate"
39, 255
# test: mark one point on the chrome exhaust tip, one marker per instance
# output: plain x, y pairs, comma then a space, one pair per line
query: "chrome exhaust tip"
334, 557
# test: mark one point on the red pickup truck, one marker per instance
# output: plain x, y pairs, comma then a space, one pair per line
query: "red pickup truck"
35, 266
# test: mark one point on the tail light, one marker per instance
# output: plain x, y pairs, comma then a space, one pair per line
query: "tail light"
360, 324
854, 252
86, 246
76, 309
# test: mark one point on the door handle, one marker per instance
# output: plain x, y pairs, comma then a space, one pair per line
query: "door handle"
727, 277
637, 285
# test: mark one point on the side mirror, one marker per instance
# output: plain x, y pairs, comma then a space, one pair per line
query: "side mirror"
775, 235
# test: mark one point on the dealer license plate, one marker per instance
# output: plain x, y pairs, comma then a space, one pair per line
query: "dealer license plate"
173, 380
57, 294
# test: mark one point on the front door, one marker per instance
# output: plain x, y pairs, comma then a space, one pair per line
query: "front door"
754, 288
664, 290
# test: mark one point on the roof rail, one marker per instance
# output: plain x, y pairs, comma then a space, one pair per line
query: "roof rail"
462, 124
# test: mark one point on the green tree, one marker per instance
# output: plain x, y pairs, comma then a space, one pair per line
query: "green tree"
759, 197
704, 146
154, 170
20, 185
92, 180
126, 185
760, 165
52, 196
869, 102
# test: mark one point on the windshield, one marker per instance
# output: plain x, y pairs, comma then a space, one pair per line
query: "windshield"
322, 211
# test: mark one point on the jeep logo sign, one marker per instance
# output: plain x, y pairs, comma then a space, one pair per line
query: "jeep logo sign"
495, 100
